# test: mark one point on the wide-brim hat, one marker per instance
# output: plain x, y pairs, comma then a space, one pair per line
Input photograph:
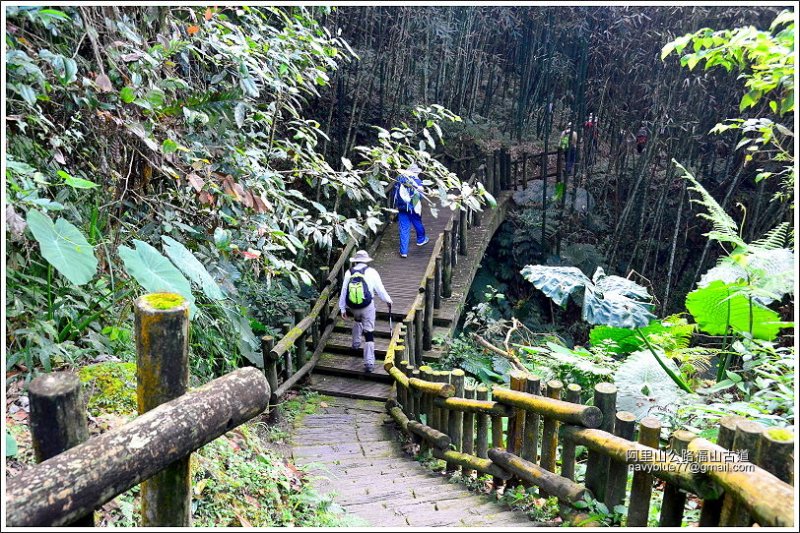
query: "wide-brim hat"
361, 257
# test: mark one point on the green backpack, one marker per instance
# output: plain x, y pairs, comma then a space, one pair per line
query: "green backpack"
358, 293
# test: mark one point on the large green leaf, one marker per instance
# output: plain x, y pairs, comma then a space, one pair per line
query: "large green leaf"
246, 340
770, 272
667, 332
644, 388
154, 272
557, 283
64, 247
192, 268
720, 304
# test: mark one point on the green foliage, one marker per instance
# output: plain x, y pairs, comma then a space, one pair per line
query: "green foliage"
644, 388
720, 306
465, 354
599, 513
192, 268
608, 300
577, 365
625, 341
110, 387
64, 247
155, 273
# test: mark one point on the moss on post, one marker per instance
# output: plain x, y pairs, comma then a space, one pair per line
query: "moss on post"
568, 447
162, 372
774, 453
550, 430
482, 425
605, 399
530, 444
455, 426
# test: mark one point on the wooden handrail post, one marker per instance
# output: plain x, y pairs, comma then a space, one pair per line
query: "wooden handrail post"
411, 344
618, 471
443, 376
427, 328
482, 426
530, 443
462, 232
550, 431
322, 281
455, 428
516, 423
605, 398
162, 374
270, 369
710, 513
774, 454
437, 283
642, 485
567, 446
58, 420
447, 265
468, 433
301, 343
419, 335
288, 368
674, 499
416, 396
745, 441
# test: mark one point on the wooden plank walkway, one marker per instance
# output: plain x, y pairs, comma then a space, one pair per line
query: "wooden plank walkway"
340, 371
361, 464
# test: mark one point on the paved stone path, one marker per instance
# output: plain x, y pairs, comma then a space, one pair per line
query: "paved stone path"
351, 449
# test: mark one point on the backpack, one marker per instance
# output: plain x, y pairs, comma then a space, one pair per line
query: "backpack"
358, 293
406, 196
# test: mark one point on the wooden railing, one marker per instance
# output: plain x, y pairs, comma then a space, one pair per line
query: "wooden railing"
77, 475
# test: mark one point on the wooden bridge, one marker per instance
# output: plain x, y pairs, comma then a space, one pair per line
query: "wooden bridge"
513, 434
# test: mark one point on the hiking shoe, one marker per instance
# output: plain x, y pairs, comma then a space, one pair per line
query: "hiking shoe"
403, 255
423, 243
369, 368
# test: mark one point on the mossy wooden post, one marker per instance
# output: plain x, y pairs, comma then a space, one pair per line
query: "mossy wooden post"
468, 434
642, 485
58, 420
288, 368
410, 344
530, 443
497, 442
403, 393
447, 265
605, 398
322, 279
516, 423
675, 499
436, 412
416, 395
405, 367
301, 344
454, 239
774, 453
162, 374
482, 425
455, 427
444, 422
617, 470
427, 326
567, 446
426, 374
270, 371
710, 513
462, 232
550, 431
745, 441
419, 334
437, 283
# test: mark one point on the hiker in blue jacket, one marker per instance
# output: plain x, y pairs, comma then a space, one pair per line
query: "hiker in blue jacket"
408, 202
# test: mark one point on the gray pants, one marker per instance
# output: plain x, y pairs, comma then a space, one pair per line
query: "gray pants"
364, 322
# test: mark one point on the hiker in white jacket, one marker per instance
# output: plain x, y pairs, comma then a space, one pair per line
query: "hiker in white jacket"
361, 284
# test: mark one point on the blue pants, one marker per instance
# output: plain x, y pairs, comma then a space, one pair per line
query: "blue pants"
405, 220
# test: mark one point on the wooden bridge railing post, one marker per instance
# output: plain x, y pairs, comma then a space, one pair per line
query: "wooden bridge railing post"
427, 327
301, 344
162, 374
443, 376
568, 446
427, 400
58, 420
462, 232
550, 432
416, 396
482, 425
617, 470
270, 368
774, 454
745, 441
410, 344
605, 398
455, 428
447, 265
437, 283
642, 485
419, 334
288, 369
468, 434
674, 499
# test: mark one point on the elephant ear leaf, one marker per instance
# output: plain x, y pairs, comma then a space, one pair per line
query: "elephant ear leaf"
154, 272
557, 283
192, 268
63, 246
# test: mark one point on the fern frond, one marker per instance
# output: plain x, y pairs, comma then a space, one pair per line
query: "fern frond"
775, 238
725, 228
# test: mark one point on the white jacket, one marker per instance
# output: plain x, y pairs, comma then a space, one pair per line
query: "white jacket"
373, 281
